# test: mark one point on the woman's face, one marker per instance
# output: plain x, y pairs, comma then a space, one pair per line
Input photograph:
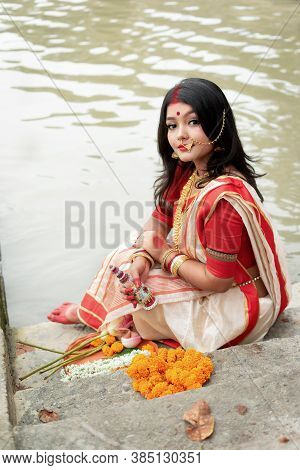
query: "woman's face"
185, 133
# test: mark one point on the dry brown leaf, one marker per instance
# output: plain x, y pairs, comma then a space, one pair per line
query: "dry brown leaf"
22, 349
201, 420
283, 439
48, 415
241, 409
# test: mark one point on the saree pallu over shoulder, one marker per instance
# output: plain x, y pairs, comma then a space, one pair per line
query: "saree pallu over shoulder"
265, 241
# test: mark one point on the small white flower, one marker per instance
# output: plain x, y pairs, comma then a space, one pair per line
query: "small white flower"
100, 367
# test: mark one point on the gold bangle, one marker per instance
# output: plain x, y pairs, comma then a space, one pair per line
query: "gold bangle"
164, 258
138, 251
144, 255
177, 262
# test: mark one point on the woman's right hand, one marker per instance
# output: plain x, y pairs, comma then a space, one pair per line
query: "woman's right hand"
139, 271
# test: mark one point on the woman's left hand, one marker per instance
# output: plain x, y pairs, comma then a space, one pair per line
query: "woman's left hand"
155, 244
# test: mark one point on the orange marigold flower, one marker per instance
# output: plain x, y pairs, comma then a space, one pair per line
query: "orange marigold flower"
136, 385
189, 380
162, 353
145, 388
172, 356
169, 371
109, 339
138, 358
180, 352
117, 347
158, 390
155, 378
148, 347
138, 369
107, 350
96, 342
176, 388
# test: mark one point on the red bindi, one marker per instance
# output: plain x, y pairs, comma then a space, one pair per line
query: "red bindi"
178, 113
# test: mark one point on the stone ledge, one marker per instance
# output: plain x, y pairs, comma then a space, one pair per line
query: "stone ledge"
250, 362
48, 334
272, 411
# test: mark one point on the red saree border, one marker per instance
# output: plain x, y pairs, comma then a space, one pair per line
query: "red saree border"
91, 311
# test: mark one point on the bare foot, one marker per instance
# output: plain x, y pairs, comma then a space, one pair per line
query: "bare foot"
66, 313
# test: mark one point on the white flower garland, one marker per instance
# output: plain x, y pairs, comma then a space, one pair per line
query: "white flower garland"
100, 367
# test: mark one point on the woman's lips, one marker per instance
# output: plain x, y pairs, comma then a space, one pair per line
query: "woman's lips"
182, 148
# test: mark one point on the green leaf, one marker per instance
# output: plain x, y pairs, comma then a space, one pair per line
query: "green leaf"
126, 351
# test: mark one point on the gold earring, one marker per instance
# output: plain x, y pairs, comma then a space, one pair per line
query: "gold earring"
174, 155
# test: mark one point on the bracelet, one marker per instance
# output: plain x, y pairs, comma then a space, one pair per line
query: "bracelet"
177, 262
138, 251
144, 255
168, 264
166, 254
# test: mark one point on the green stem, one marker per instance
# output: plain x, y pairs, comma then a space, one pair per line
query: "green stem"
68, 353
40, 347
72, 359
98, 348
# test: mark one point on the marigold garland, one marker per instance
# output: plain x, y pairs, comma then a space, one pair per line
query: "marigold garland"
169, 371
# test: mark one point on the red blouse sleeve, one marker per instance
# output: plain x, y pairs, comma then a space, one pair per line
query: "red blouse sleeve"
171, 195
223, 233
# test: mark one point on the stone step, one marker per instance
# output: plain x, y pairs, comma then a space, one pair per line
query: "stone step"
286, 326
246, 362
54, 335
6, 405
48, 334
105, 412
272, 403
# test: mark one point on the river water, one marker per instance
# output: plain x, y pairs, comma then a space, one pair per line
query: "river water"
81, 85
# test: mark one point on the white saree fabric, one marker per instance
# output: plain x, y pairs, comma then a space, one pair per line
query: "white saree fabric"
208, 320
204, 325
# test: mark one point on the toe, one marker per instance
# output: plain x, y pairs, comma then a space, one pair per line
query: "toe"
59, 319
56, 311
52, 317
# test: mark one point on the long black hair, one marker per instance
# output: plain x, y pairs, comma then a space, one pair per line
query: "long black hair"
208, 102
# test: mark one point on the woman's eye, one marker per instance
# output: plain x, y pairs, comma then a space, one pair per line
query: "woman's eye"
193, 122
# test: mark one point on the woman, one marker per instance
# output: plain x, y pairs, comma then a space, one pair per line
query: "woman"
221, 278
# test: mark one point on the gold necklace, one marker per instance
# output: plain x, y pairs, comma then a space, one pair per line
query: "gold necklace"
184, 195
185, 192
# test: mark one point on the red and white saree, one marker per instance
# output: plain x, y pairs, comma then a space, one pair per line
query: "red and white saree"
195, 318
